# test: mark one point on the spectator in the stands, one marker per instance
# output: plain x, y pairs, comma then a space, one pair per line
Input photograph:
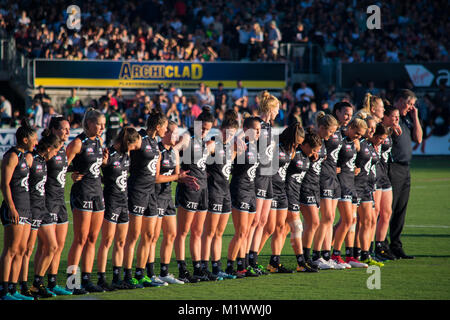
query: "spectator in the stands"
201, 94
300, 35
48, 116
43, 96
70, 102
295, 115
174, 91
210, 100
173, 114
239, 92
371, 88
307, 91
6, 111
35, 114
274, 37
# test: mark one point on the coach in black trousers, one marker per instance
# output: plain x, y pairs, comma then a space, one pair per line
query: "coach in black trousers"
399, 174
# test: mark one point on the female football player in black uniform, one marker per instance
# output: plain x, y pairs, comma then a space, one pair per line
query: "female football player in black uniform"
348, 200
142, 200
330, 190
86, 197
192, 204
243, 196
55, 202
364, 191
15, 210
219, 208
167, 170
269, 106
115, 223
383, 204
41, 221
310, 189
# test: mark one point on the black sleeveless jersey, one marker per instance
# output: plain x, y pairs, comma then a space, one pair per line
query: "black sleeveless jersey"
218, 168
56, 176
19, 181
298, 167
38, 177
166, 168
194, 158
265, 146
284, 160
143, 163
88, 162
245, 165
363, 161
347, 157
333, 146
312, 176
115, 175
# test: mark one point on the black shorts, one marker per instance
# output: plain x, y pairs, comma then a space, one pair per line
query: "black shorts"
58, 213
243, 199
293, 195
191, 200
24, 215
142, 203
219, 203
263, 187
40, 216
116, 212
364, 195
280, 200
166, 208
329, 187
310, 196
86, 200
348, 191
383, 182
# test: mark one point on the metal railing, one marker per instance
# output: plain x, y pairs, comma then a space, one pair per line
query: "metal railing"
303, 57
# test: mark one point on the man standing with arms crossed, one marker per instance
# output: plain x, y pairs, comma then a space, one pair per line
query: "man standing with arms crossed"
399, 168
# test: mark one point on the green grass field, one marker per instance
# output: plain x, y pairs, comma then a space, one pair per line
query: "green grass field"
426, 235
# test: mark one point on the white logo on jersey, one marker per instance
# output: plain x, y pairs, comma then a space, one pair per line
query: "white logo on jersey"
24, 182
368, 166
334, 154
282, 171
299, 176
317, 166
226, 170
251, 172
374, 170
152, 165
168, 173
385, 155
351, 163
40, 186
61, 178
269, 151
121, 181
202, 162
95, 168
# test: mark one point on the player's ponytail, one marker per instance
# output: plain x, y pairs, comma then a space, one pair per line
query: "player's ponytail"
126, 136
312, 138
267, 102
155, 119
290, 135
91, 115
23, 132
326, 120
48, 141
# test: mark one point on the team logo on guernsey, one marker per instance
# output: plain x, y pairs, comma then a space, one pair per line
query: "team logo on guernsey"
24, 182
282, 154
39, 168
166, 163
95, 168
368, 166
385, 155
335, 137
90, 150
152, 165
351, 163
335, 152
282, 171
299, 163
58, 159
251, 172
168, 173
61, 178
116, 164
269, 151
23, 166
299, 176
40, 186
226, 170
148, 147
374, 170
317, 166
202, 162
121, 180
